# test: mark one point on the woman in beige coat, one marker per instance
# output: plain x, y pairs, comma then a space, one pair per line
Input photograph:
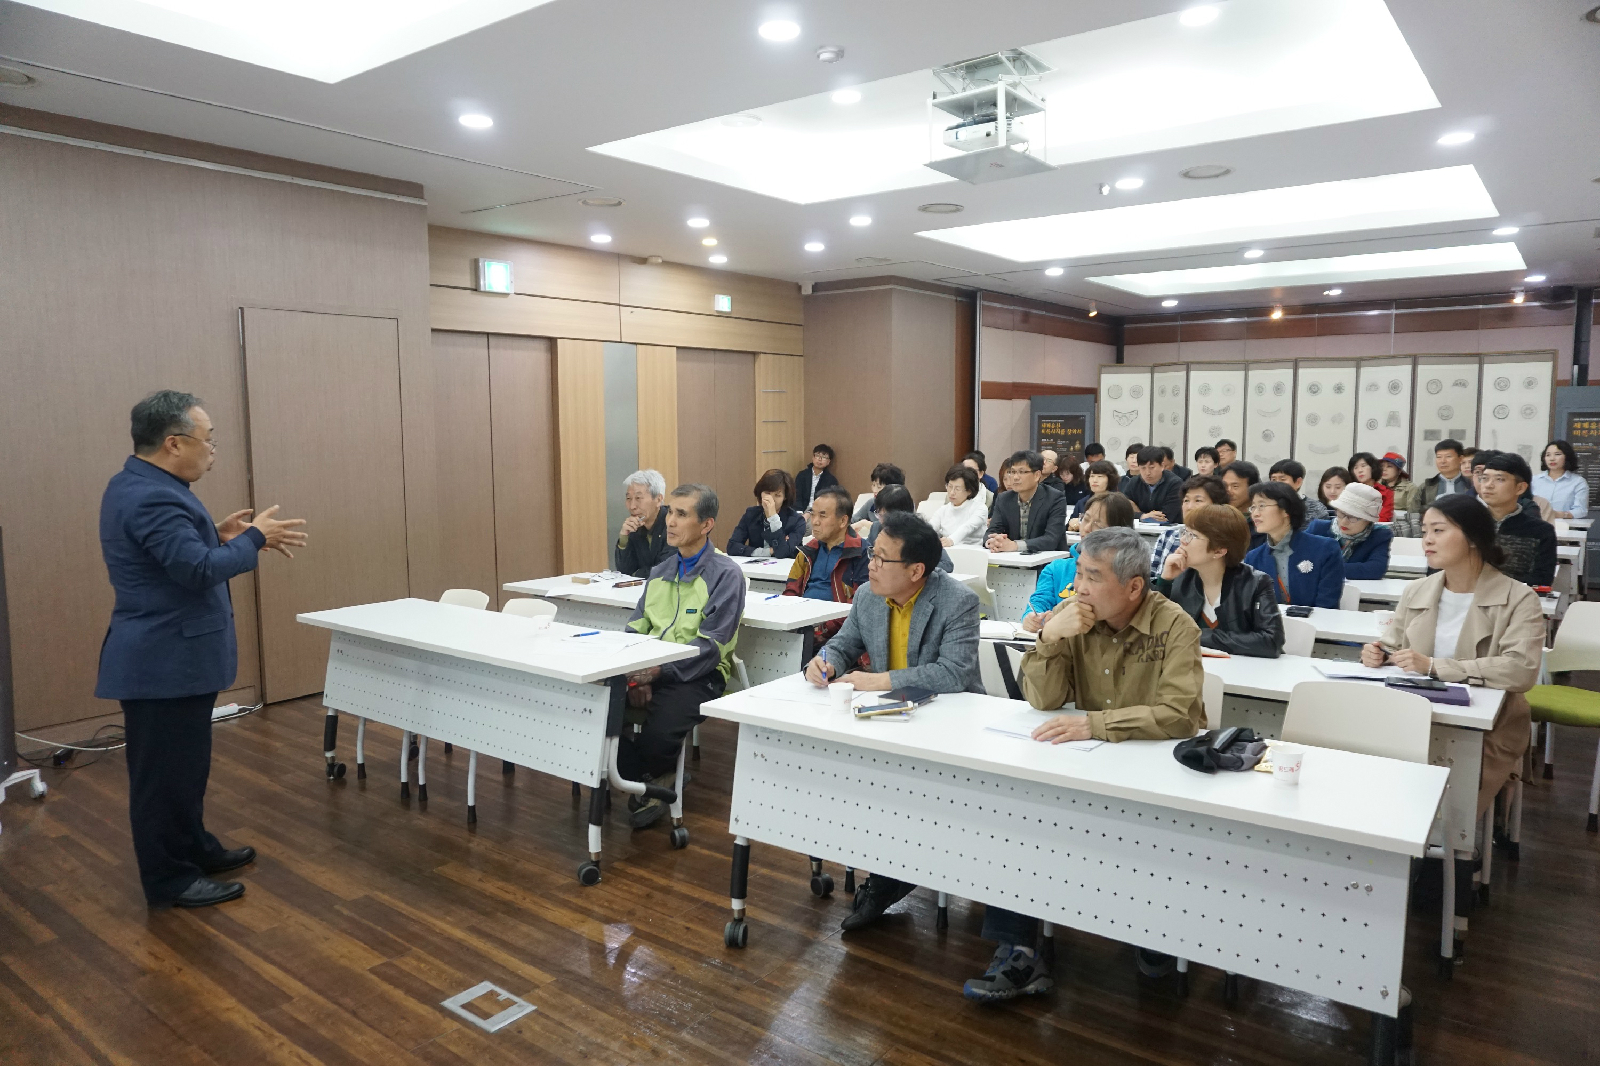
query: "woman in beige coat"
1470, 623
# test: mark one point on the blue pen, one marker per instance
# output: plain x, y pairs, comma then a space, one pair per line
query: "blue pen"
774, 596
588, 633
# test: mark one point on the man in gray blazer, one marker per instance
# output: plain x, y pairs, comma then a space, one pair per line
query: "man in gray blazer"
918, 628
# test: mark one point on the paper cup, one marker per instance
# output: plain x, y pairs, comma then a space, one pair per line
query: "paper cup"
540, 623
1286, 762
1383, 617
843, 694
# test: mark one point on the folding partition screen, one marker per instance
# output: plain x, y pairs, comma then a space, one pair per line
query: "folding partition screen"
1269, 414
1446, 407
1216, 403
1124, 408
1517, 397
1325, 409
1170, 383
1383, 405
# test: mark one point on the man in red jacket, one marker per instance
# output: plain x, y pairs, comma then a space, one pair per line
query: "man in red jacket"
833, 562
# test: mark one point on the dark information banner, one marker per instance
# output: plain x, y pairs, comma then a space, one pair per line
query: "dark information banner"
1063, 434
1583, 433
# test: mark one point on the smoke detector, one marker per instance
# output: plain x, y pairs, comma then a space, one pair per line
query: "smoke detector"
952, 209
1206, 171
830, 53
601, 201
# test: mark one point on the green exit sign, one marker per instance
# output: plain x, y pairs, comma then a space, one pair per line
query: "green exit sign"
494, 276
722, 303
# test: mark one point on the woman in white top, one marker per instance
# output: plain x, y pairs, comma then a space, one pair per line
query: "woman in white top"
1471, 624
962, 518
1558, 482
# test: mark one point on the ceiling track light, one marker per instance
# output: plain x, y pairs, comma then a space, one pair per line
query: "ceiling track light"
1518, 296
1093, 310
1277, 313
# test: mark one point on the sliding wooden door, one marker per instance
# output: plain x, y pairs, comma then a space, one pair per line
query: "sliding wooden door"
717, 429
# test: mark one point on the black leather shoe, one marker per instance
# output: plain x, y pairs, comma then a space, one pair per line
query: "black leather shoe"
205, 892
876, 895
230, 860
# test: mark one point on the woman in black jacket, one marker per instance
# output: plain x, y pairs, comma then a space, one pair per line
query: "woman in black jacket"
1233, 604
772, 528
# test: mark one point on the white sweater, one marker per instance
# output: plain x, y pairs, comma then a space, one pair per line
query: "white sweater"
964, 525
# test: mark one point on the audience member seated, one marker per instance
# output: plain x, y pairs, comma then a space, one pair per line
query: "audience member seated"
1157, 492
833, 563
1227, 452
1529, 543
1130, 467
1239, 477
1293, 474
1130, 658
1306, 570
1407, 516
962, 519
1093, 452
1470, 623
1364, 466
1451, 478
1099, 477
1205, 460
1334, 480
1030, 517
918, 629
1362, 542
695, 596
897, 499
642, 542
1055, 578
1051, 472
977, 461
1233, 604
1198, 491
772, 528
1169, 462
1558, 482
882, 474
809, 483
1069, 482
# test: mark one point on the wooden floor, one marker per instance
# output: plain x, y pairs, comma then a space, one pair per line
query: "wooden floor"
362, 914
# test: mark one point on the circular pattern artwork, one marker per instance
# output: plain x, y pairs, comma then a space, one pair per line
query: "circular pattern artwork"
1114, 443
1460, 383
1501, 384
1434, 386
1261, 388
1372, 386
1279, 388
1227, 390
1114, 392
1215, 431
1529, 410
1337, 418
1136, 392
1395, 387
1530, 382
1204, 389
1338, 388
1314, 388
1267, 435
1162, 417
1161, 390
1501, 411
1446, 412
1372, 423
1312, 419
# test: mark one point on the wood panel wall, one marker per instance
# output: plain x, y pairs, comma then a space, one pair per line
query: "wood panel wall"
780, 382
658, 411
581, 428
717, 435
464, 460
527, 496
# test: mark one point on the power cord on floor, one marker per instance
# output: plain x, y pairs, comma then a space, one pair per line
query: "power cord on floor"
108, 738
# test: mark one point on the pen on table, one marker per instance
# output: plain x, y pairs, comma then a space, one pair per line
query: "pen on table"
588, 633
774, 596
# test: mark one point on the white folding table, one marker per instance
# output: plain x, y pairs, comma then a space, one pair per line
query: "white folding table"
1257, 695
1012, 577
1385, 592
1304, 887
765, 575
519, 689
772, 632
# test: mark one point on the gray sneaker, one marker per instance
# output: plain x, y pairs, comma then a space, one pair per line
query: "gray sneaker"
1014, 972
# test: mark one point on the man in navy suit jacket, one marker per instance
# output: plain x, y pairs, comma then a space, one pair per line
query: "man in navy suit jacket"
170, 646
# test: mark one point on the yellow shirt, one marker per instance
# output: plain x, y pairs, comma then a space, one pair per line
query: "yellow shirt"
900, 631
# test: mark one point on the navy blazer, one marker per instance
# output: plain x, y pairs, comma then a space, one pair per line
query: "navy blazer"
753, 532
171, 630
1369, 560
1316, 570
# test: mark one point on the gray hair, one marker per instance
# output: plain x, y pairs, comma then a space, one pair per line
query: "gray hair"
1129, 556
705, 499
158, 416
652, 480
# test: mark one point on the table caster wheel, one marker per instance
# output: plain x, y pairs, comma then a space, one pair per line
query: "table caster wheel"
679, 837
736, 934
589, 873
37, 788
405, 791
336, 771
1230, 989
822, 886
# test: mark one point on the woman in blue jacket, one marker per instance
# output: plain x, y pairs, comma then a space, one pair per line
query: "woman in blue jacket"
1055, 579
1354, 527
1306, 570
772, 528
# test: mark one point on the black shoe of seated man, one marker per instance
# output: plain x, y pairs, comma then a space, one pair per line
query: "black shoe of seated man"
666, 780
874, 896
205, 892
230, 860
1154, 963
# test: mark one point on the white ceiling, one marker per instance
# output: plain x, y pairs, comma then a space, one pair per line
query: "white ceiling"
572, 74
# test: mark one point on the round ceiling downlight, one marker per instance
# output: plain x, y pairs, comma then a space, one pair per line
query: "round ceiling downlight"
779, 30
951, 209
1205, 171
601, 201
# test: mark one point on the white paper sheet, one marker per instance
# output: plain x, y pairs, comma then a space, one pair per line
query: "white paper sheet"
794, 688
1023, 723
1335, 671
605, 640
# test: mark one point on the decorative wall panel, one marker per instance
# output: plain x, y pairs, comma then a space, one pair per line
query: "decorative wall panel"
1216, 403
1269, 414
1325, 409
1517, 397
1124, 408
1446, 407
1383, 406
1170, 402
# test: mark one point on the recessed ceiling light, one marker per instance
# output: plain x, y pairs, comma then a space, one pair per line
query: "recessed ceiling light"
1254, 253
709, 242
1369, 266
601, 201
1419, 198
1054, 272
779, 30
1169, 303
1534, 279
846, 96
952, 209
698, 223
1198, 16
1206, 171
476, 122
600, 238
1277, 312
717, 259
1332, 292
1505, 231
861, 220
1129, 184
741, 122
1456, 137
815, 246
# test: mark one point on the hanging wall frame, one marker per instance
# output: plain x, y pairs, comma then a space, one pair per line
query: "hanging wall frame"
1517, 396
1324, 419
1268, 414
1216, 403
1124, 408
1168, 406
1383, 405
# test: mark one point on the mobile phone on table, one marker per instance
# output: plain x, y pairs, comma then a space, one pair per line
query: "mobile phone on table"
1418, 682
1298, 611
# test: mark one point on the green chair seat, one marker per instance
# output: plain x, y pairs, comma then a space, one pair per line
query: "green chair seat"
1565, 705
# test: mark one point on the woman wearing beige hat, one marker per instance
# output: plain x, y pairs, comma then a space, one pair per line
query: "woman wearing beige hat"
1363, 543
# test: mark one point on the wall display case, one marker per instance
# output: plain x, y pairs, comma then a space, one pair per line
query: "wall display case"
1169, 406
1446, 407
1516, 398
1325, 411
1124, 408
1216, 403
1383, 406
1269, 414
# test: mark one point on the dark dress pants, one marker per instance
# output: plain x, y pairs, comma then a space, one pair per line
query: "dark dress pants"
674, 710
169, 761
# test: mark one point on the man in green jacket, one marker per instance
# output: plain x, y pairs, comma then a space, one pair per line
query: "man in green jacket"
694, 596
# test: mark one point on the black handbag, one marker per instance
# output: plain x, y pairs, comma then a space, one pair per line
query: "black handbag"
1221, 749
